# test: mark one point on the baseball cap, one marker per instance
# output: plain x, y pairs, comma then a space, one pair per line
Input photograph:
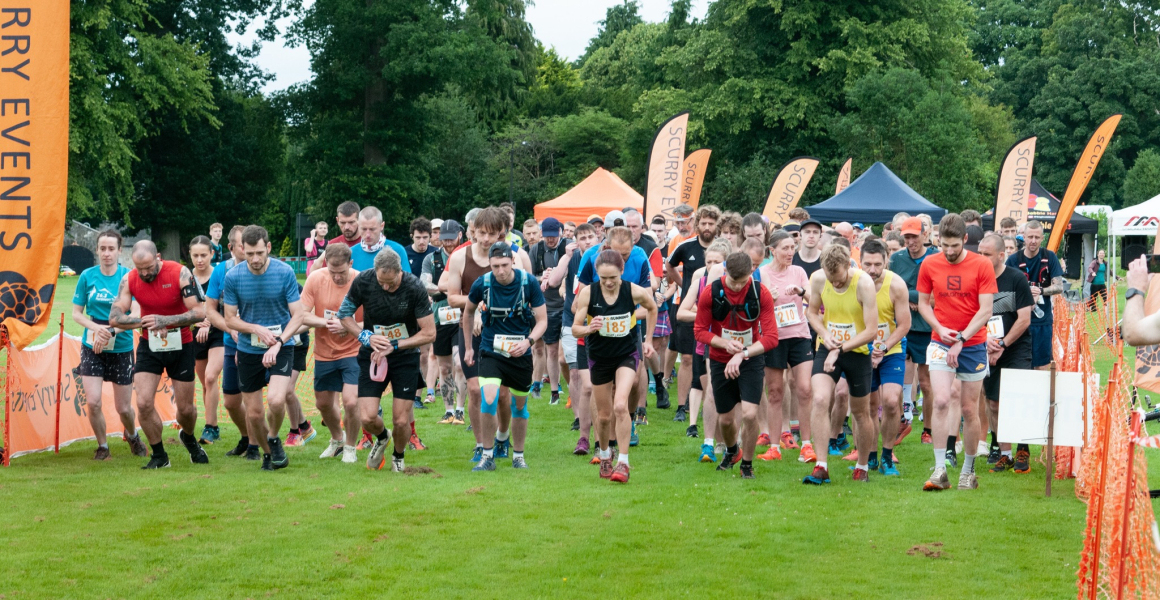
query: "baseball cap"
612, 216
813, 222
595, 218
450, 230
500, 250
551, 227
974, 236
436, 223
792, 226
859, 226
912, 226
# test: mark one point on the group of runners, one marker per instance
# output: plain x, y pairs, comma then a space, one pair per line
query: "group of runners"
773, 335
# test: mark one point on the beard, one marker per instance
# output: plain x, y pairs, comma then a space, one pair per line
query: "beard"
706, 237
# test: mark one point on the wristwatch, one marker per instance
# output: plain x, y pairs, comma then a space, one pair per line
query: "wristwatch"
745, 353
394, 344
1002, 343
1133, 292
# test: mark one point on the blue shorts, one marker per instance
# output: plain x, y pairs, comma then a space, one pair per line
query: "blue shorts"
230, 384
1041, 353
973, 365
892, 369
916, 343
331, 375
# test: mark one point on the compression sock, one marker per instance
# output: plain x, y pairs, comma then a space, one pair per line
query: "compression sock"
158, 449
397, 455
994, 439
245, 441
873, 456
951, 439
1024, 447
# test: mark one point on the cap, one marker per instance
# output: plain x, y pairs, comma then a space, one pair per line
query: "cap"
813, 222
974, 236
912, 226
859, 226
612, 216
792, 226
551, 227
450, 230
595, 218
436, 223
683, 210
500, 250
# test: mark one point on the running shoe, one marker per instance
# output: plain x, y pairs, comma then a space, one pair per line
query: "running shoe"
293, 440
398, 465
555, 399
817, 477
888, 469
903, 431
157, 462
605, 468
197, 455
641, 416
772, 454
763, 440
787, 442
1022, 461
253, 453
938, 481
728, 460
861, 475
503, 449
720, 448
634, 440
582, 447
458, 418
377, 459
595, 459
873, 463
682, 414
968, 481
418, 404
366, 442
662, 397
746, 471
430, 398
102, 453
952, 458
807, 455
833, 449
333, 449
448, 418
349, 454
207, 435
278, 458
993, 455
851, 456
308, 434
1005, 464
416, 443
843, 441
707, 454
137, 447
691, 431
477, 454
619, 473
926, 439
576, 424
518, 462
266, 465
535, 391
485, 464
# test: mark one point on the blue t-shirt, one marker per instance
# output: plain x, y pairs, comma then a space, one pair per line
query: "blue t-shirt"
636, 269
506, 296
365, 261
213, 289
261, 299
96, 292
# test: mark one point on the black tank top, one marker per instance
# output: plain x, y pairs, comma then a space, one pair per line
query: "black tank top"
617, 337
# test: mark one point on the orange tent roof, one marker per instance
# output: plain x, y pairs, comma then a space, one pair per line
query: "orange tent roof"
599, 193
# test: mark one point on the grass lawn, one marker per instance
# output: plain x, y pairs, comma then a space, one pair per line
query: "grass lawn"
77, 529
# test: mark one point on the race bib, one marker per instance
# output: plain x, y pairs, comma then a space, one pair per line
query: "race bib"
881, 335
936, 354
616, 326
449, 315
504, 344
745, 337
786, 315
329, 314
396, 332
995, 327
170, 342
256, 342
842, 332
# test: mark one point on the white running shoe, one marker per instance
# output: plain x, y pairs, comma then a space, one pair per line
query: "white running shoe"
377, 457
332, 449
397, 465
349, 454
968, 481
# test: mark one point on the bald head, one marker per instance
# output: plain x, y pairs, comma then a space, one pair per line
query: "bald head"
146, 261
144, 249
845, 230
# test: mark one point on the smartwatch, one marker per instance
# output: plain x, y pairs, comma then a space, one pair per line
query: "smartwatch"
394, 344
745, 353
1133, 292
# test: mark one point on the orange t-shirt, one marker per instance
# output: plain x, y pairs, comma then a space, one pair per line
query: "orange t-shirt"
321, 292
955, 290
676, 241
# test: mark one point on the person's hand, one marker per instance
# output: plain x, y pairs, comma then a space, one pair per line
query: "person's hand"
149, 322
99, 337
469, 356
234, 335
993, 357
520, 349
478, 323
831, 361
271, 356
876, 357
595, 325
266, 336
380, 343
1036, 292
544, 283
1138, 274
830, 342
649, 351
795, 290
913, 307
945, 334
775, 292
334, 326
202, 333
953, 355
733, 367
993, 346
734, 347
377, 355
569, 249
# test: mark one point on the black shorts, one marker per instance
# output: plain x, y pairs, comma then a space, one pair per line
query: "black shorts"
469, 372
514, 373
700, 369
445, 338
402, 375
179, 364
728, 393
581, 357
916, 343
301, 353
331, 375
215, 340
116, 368
555, 321
253, 375
856, 367
230, 372
683, 341
992, 382
789, 352
604, 371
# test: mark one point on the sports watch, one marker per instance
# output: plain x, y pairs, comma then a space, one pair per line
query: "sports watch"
1133, 292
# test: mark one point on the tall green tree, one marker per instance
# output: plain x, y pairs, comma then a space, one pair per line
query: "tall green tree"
1143, 179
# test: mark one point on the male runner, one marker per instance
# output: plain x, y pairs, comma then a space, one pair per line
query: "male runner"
887, 358
688, 256
451, 379
1045, 275
262, 304
906, 265
370, 226
961, 285
847, 296
546, 255
417, 252
397, 322
170, 301
513, 319
215, 237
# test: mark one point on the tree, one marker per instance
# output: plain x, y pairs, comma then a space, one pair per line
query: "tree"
1143, 180
618, 18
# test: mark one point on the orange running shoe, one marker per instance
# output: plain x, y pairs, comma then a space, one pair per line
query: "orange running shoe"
903, 432
763, 440
807, 455
620, 473
416, 443
926, 437
595, 460
853, 455
772, 454
787, 441
861, 475
366, 442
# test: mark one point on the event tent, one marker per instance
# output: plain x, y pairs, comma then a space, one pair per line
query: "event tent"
875, 197
599, 193
1042, 206
1140, 219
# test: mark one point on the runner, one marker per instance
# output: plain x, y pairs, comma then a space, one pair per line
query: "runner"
106, 352
417, 252
847, 296
513, 319
208, 343
569, 230
1008, 346
684, 259
316, 244
655, 365
262, 304
370, 227
962, 285
794, 355
335, 352
700, 390
906, 265
451, 382
735, 321
573, 348
215, 237
397, 322
1045, 275
347, 219
546, 255
606, 316
170, 301
231, 391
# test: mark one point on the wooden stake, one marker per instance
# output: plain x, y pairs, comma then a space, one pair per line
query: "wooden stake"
1051, 433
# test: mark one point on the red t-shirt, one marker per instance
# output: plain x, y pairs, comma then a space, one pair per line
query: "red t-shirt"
955, 289
763, 329
162, 296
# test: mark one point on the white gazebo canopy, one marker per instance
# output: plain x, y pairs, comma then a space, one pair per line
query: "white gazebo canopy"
1140, 219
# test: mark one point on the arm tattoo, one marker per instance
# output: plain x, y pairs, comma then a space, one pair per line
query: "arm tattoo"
189, 317
118, 316
1056, 287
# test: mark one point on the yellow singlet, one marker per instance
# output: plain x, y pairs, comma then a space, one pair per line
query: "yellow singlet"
843, 312
886, 320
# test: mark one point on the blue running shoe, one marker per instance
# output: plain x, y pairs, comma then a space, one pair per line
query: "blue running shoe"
485, 464
843, 443
477, 454
890, 469
502, 448
652, 388
634, 440
707, 454
873, 463
834, 449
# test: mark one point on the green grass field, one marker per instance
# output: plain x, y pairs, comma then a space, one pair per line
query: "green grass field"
73, 528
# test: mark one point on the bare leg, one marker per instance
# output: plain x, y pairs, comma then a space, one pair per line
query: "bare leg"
93, 389
519, 424
256, 419
123, 397
327, 403
823, 392
402, 414
685, 378
602, 398
622, 410
352, 422
293, 406
891, 395
774, 393
864, 428
553, 364
749, 430
212, 395
801, 391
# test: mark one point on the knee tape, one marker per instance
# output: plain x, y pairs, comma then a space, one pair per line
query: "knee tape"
488, 405
520, 413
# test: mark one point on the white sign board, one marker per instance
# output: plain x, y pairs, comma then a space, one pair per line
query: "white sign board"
1024, 398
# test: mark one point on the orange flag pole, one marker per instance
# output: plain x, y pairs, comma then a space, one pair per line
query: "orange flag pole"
59, 376
1080, 178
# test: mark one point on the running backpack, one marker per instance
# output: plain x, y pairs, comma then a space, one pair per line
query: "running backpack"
750, 309
522, 308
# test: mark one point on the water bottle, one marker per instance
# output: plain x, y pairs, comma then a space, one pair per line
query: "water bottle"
1037, 311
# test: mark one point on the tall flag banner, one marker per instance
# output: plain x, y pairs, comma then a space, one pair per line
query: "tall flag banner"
666, 163
844, 176
787, 188
694, 177
34, 38
1080, 178
1015, 182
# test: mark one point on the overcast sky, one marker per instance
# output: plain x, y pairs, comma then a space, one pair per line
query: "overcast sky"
566, 25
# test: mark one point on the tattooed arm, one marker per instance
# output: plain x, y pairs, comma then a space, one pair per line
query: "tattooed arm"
1056, 287
119, 313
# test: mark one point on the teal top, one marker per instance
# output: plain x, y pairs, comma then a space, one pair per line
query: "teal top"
96, 293
1100, 273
